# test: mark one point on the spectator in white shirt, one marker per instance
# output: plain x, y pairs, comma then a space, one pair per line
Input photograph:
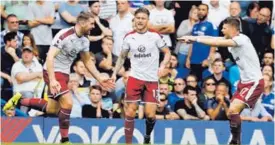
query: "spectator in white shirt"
217, 12
27, 75
121, 24
162, 20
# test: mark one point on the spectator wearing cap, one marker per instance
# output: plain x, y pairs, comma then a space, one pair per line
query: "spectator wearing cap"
100, 30
41, 17
11, 54
163, 111
12, 26
26, 75
261, 32
121, 24
177, 94
217, 107
268, 99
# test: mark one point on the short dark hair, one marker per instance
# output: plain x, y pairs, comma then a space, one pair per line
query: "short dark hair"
9, 36
233, 22
189, 88
142, 10
90, 3
251, 6
269, 51
11, 15
205, 5
96, 87
218, 60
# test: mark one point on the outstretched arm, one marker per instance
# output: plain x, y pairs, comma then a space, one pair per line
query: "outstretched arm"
120, 61
212, 41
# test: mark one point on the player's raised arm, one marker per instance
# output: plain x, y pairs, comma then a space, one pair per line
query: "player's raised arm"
119, 63
86, 58
211, 41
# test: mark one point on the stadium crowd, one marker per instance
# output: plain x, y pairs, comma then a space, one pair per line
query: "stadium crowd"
196, 85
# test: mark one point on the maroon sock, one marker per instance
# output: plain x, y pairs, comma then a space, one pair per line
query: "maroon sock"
35, 103
129, 124
64, 122
235, 126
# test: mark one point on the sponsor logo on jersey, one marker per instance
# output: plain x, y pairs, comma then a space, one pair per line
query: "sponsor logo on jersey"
142, 49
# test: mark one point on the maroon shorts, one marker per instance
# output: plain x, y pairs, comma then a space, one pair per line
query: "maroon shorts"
249, 93
63, 80
137, 88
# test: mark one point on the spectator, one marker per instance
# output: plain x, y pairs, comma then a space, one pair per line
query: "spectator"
95, 109
26, 76
217, 107
219, 74
268, 69
19, 9
191, 80
57, 26
108, 9
209, 87
257, 114
106, 60
10, 112
69, 11
121, 24
28, 41
162, 20
273, 38
185, 28
119, 110
261, 32
164, 88
177, 95
101, 29
252, 12
163, 111
268, 58
12, 26
11, 54
234, 11
121, 86
268, 96
80, 69
199, 54
217, 12
188, 109
78, 99
41, 17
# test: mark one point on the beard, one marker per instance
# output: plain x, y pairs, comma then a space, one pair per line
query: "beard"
202, 18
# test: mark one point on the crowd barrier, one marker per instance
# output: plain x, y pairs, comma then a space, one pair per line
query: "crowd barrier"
111, 131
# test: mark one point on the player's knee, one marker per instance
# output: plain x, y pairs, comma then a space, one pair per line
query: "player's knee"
130, 111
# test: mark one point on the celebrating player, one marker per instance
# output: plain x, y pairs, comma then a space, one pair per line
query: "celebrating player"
64, 49
144, 46
251, 84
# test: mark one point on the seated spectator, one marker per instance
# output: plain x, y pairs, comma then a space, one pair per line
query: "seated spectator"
28, 41
174, 66
208, 92
95, 109
106, 60
12, 26
69, 11
162, 20
100, 30
177, 95
268, 58
268, 69
26, 75
12, 111
217, 107
188, 109
191, 80
184, 29
163, 111
268, 96
164, 88
11, 54
121, 86
80, 69
78, 99
40, 19
257, 114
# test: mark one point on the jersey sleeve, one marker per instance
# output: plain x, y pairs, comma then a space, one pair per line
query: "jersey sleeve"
239, 40
160, 42
125, 44
57, 41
